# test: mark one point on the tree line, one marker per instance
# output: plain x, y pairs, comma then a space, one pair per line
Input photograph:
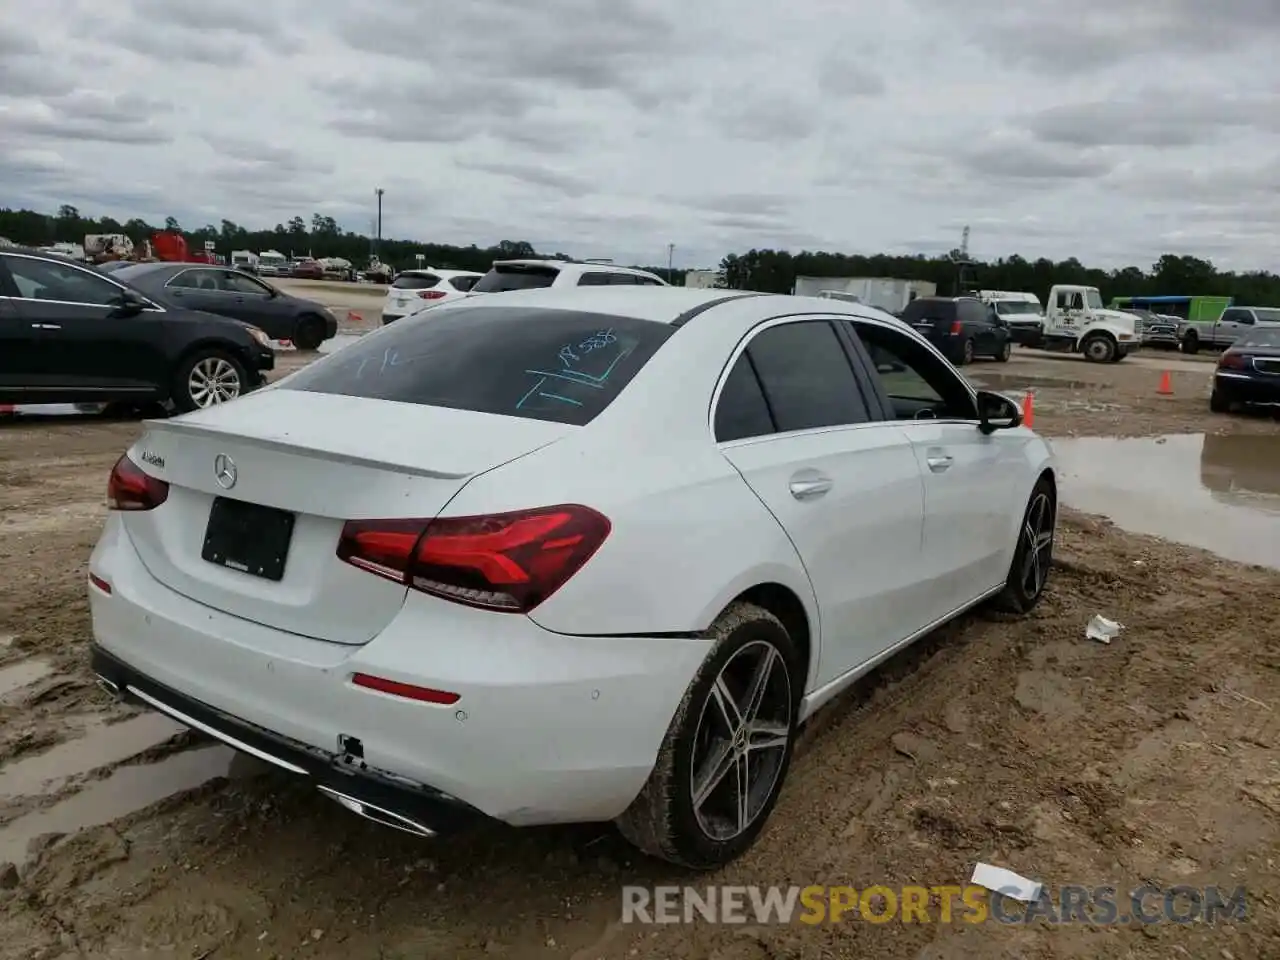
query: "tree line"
772, 271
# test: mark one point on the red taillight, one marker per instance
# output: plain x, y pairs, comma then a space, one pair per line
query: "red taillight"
509, 562
432, 294
956, 328
1234, 361
129, 488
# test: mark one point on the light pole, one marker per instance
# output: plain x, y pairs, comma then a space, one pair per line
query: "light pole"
671, 253
377, 246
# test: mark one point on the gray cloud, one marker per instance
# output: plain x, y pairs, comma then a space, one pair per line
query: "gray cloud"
1047, 36
587, 45
843, 73
86, 117
766, 117
534, 175
226, 34
1158, 118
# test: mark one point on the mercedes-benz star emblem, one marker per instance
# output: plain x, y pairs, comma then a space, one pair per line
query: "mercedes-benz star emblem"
224, 471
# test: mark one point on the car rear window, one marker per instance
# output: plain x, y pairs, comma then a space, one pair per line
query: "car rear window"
557, 365
923, 309
415, 281
1265, 337
516, 277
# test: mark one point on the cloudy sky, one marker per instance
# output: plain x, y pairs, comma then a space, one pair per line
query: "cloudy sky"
1109, 130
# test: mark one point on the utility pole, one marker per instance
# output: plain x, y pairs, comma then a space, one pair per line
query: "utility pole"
377, 248
671, 253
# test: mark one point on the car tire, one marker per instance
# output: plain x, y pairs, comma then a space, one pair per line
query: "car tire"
1033, 556
1219, 403
309, 333
1191, 342
222, 372
666, 820
1098, 348
966, 353
1005, 352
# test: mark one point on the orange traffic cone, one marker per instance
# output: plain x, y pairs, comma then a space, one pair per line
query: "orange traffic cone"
1166, 385
353, 317
1029, 409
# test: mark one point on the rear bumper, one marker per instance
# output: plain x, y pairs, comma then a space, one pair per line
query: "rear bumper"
548, 728
1247, 388
415, 808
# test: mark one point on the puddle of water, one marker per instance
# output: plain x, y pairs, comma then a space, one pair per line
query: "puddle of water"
1218, 493
1020, 382
126, 791
100, 746
21, 674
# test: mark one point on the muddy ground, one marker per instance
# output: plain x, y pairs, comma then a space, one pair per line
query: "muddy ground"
1019, 743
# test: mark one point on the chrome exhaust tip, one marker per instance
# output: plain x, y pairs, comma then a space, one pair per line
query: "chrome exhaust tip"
386, 818
109, 686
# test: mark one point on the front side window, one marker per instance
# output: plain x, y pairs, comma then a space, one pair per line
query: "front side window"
919, 383
50, 280
239, 283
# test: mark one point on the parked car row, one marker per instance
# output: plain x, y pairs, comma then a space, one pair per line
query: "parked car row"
416, 290
192, 334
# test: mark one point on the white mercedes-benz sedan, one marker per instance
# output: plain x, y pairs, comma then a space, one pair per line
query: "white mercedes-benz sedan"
565, 555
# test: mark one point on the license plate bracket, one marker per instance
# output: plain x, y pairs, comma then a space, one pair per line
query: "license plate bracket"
248, 537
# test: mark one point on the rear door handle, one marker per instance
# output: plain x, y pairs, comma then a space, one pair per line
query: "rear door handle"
46, 326
810, 488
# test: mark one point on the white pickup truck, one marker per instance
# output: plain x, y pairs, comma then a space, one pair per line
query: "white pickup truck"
1075, 321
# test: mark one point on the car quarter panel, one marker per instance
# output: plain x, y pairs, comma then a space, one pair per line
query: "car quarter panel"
688, 534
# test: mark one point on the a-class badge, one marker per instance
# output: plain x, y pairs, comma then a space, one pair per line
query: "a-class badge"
224, 471
153, 458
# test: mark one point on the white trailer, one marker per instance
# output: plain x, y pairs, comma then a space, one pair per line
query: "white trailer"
886, 293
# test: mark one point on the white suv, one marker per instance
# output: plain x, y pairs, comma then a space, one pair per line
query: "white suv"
526, 274
414, 290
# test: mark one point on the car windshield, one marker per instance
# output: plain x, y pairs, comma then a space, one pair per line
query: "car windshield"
129, 272
1267, 314
557, 365
1017, 307
516, 276
1093, 298
1265, 337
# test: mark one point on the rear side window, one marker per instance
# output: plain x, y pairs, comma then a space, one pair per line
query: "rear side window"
742, 410
557, 365
595, 278
647, 281
415, 281
622, 279
463, 284
516, 277
921, 309
806, 376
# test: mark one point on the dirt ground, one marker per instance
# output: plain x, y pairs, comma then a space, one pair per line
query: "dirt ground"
1018, 743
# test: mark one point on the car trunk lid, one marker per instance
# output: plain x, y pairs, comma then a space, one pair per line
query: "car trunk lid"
295, 466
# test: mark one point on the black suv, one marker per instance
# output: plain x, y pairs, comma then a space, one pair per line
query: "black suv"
72, 334
961, 327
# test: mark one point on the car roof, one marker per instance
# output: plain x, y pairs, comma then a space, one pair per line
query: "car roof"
43, 255
675, 305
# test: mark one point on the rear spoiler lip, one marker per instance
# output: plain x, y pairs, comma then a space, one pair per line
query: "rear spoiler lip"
281, 445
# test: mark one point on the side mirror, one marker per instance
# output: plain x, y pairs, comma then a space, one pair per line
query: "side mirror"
131, 303
997, 412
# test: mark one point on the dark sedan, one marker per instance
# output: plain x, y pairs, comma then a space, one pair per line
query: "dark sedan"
72, 334
235, 294
1248, 371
